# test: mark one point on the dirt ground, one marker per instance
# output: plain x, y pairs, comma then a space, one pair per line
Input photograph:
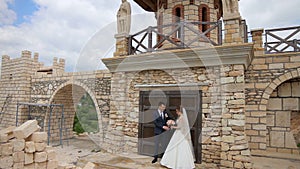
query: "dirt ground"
80, 150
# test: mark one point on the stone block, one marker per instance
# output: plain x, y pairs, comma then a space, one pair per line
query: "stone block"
296, 89
276, 139
6, 149
270, 120
52, 164
285, 90
19, 156
18, 165
8, 130
226, 163
26, 129
290, 104
6, 162
283, 119
40, 157
28, 158
3, 138
18, 145
29, 147
40, 146
38, 137
42, 165
29, 166
228, 139
275, 104
290, 141
90, 165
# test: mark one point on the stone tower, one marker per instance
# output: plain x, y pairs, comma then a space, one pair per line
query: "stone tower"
190, 24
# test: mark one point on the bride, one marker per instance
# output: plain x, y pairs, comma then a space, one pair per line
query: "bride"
179, 153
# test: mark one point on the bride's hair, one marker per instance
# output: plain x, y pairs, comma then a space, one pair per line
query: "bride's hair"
179, 108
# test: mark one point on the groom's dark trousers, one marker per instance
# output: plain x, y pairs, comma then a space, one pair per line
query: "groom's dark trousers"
161, 137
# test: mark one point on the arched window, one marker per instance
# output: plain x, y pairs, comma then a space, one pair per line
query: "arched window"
204, 19
192, 2
204, 16
178, 15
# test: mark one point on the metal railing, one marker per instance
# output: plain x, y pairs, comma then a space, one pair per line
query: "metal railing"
282, 40
179, 35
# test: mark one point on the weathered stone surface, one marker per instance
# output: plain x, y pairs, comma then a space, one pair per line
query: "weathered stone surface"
6, 149
275, 104
29, 166
29, 147
28, 158
6, 162
40, 146
26, 129
38, 137
283, 118
19, 156
51, 154
41, 165
90, 165
52, 164
277, 139
18, 145
40, 157
19, 165
290, 141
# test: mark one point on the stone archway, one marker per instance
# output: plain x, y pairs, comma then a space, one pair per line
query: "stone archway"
68, 94
279, 100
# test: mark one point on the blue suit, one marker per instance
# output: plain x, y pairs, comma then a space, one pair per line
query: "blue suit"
160, 139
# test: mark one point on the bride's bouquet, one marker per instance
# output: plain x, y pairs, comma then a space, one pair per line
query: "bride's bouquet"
171, 123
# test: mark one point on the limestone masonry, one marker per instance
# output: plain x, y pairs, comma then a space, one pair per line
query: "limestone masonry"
249, 103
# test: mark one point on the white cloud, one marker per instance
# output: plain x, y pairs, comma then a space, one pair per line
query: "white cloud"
270, 13
7, 16
82, 31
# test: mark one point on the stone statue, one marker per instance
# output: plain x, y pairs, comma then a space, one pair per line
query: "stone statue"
231, 8
124, 18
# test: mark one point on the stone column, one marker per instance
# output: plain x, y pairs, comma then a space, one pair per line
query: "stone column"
122, 41
233, 34
235, 151
258, 41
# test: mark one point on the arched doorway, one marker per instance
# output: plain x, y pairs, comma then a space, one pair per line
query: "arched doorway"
69, 95
283, 117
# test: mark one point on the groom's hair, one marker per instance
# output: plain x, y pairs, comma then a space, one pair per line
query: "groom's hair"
161, 103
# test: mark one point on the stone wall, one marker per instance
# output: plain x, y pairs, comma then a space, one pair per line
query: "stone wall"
224, 139
67, 89
283, 100
263, 77
26, 80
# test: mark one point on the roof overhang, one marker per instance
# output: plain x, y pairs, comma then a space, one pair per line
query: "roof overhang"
241, 54
148, 5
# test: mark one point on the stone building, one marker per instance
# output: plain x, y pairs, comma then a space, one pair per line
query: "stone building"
242, 99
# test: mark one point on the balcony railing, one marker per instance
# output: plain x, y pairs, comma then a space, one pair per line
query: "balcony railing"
282, 40
175, 36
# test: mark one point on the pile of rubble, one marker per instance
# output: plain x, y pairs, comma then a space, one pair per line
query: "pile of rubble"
25, 147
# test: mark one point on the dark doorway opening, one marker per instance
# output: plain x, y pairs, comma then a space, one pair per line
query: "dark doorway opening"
190, 100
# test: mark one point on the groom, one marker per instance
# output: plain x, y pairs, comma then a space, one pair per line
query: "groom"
160, 121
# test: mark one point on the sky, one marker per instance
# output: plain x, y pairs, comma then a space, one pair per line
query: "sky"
82, 31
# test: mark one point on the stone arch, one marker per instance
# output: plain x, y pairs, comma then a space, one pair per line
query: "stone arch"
278, 104
274, 84
69, 94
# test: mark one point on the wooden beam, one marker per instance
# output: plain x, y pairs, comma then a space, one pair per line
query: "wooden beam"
148, 5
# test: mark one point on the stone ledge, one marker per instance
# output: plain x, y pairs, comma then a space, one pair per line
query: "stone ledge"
183, 58
260, 153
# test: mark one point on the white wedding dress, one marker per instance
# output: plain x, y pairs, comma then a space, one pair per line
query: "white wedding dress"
179, 153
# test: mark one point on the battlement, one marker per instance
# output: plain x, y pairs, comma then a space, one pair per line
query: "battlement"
29, 64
